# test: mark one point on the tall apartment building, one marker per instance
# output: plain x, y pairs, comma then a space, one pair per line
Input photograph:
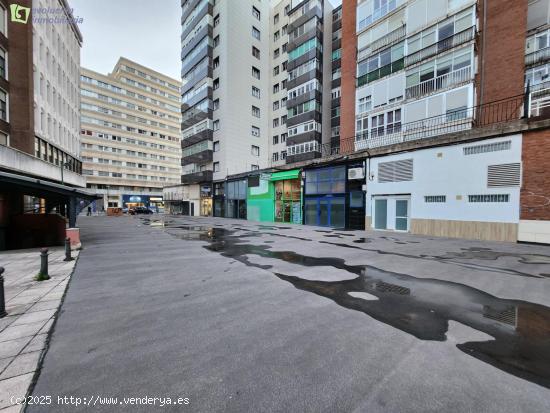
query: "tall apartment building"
336, 76
278, 34
130, 132
39, 122
309, 79
225, 106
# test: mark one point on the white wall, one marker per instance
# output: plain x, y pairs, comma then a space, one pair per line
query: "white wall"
447, 171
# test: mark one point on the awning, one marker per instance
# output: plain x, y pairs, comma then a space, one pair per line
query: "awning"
280, 176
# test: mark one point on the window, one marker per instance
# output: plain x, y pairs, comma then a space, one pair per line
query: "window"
255, 52
304, 48
255, 131
216, 104
275, 156
283, 138
283, 120
381, 64
254, 167
489, 198
255, 92
365, 104
276, 70
216, 147
276, 53
275, 139
255, 150
216, 62
255, 111
435, 199
337, 54
276, 122
283, 155
276, 88
217, 40
276, 19
216, 84
216, 167
326, 180
216, 20
276, 105
276, 36
216, 125
3, 107
3, 61
255, 72
255, 33
256, 13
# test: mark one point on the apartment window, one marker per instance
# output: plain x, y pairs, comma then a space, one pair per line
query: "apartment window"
276, 122
283, 102
275, 139
255, 111
217, 40
284, 64
216, 146
255, 33
283, 138
255, 72
284, 47
3, 106
2, 61
216, 20
283, 120
365, 104
216, 62
336, 73
254, 167
2, 20
275, 156
276, 105
276, 36
216, 125
255, 131
276, 19
283, 30
216, 104
216, 84
337, 54
255, 150
336, 92
256, 13
276, 70
216, 167
255, 92
255, 52
283, 155
276, 88
287, 9
283, 84
276, 53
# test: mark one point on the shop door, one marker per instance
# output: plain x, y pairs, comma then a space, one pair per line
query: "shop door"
380, 214
401, 214
356, 212
326, 212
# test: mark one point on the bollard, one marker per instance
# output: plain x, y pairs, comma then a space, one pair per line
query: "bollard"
43, 274
2, 297
68, 250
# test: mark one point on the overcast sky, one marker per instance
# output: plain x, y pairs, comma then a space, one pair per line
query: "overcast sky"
146, 31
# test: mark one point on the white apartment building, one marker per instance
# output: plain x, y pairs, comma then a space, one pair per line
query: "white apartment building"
56, 77
130, 134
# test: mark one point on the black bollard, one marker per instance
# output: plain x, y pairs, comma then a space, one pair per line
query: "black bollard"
2, 297
43, 275
68, 250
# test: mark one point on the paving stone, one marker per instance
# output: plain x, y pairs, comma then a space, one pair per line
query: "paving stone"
25, 330
22, 364
36, 344
14, 387
44, 305
34, 317
12, 348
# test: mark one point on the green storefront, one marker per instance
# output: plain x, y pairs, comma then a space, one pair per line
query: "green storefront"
275, 197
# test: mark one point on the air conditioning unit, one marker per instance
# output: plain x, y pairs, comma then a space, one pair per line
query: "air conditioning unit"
356, 173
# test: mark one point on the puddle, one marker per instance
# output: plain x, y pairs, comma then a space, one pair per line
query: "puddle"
490, 255
420, 307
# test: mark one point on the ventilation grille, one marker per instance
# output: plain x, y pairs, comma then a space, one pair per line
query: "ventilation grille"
435, 198
395, 171
507, 174
506, 316
383, 287
489, 147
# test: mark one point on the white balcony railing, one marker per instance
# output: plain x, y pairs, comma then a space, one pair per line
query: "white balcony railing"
537, 57
440, 82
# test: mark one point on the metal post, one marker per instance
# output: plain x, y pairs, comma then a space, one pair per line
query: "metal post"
3, 312
68, 250
43, 274
527, 101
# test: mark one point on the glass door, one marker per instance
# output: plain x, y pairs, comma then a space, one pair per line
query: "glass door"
401, 215
380, 214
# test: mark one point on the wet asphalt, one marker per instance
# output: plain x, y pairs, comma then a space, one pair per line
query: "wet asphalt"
240, 316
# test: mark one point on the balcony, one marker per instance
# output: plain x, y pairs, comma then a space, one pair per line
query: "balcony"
454, 78
381, 72
197, 177
392, 37
443, 45
537, 57
202, 157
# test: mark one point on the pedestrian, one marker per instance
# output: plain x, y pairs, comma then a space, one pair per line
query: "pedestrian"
89, 211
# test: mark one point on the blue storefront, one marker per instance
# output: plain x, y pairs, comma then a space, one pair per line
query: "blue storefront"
132, 201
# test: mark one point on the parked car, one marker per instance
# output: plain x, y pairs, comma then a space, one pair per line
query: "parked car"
140, 210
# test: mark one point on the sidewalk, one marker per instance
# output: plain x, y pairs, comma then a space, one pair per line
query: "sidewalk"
31, 308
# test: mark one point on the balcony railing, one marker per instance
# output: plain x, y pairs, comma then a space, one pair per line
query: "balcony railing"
388, 39
440, 82
459, 120
539, 100
441, 46
539, 56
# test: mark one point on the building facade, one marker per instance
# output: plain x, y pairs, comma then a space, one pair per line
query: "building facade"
130, 133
